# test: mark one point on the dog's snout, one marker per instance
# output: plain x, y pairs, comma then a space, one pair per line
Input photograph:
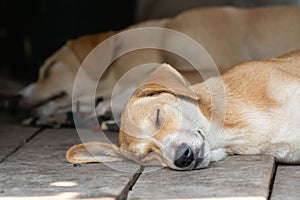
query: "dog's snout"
184, 156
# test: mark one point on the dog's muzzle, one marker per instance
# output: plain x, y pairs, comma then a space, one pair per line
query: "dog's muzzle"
187, 159
184, 156
27, 103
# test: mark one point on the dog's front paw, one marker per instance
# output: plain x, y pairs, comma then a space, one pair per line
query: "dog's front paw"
103, 107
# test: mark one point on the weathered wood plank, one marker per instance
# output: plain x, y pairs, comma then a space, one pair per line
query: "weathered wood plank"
286, 184
40, 170
12, 135
12, 138
246, 177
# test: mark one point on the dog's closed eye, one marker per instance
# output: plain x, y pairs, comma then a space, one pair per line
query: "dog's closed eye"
157, 121
153, 94
47, 69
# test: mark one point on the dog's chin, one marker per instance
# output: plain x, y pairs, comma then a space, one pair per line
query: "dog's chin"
203, 157
203, 164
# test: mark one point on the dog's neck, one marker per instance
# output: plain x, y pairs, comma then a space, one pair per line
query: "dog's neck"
225, 120
212, 104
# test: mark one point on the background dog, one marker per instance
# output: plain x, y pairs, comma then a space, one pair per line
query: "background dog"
251, 109
230, 36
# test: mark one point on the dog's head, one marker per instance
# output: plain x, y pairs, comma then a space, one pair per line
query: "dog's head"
52, 92
53, 89
161, 124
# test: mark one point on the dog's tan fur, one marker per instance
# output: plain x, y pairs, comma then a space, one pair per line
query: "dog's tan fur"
230, 36
61, 69
261, 101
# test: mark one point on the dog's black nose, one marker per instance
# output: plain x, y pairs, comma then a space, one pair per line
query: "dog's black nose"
184, 156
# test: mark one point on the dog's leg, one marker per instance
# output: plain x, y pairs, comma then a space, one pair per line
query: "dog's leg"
116, 104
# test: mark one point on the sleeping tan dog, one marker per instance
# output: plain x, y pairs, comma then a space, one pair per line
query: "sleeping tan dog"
52, 92
251, 109
230, 35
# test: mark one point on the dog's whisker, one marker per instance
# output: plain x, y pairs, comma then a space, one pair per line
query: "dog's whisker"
201, 134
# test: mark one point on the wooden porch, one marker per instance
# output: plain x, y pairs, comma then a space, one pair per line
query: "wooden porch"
33, 166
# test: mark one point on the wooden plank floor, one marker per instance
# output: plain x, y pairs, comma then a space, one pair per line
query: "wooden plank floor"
33, 166
40, 169
237, 176
13, 136
287, 182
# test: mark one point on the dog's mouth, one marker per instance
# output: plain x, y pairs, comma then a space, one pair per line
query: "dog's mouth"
201, 159
57, 96
60, 95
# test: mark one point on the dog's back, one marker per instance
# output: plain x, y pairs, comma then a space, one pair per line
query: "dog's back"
233, 35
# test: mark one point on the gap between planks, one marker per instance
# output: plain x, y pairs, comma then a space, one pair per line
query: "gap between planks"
272, 182
22, 144
124, 194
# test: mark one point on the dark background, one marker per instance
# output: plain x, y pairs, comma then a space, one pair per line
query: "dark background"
30, 30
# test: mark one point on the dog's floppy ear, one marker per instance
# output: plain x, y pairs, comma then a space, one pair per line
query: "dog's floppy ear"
165, 79
83, 45
88, 45
94, 152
